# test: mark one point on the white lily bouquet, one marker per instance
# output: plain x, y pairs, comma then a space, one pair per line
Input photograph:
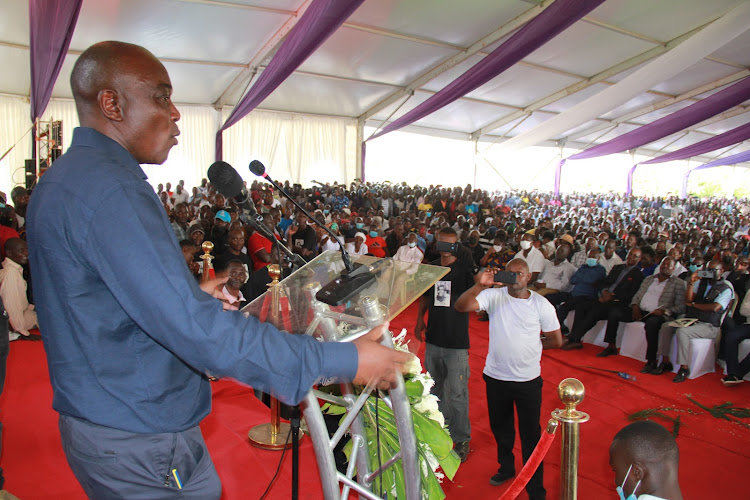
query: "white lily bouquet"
434, 441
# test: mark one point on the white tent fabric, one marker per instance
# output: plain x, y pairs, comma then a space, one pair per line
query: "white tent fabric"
703, 43
388, 57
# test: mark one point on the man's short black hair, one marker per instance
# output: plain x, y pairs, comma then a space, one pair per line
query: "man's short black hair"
448, 231
187, 243
648, 250
648, 441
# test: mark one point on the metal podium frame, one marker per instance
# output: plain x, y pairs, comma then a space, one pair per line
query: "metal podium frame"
397, 286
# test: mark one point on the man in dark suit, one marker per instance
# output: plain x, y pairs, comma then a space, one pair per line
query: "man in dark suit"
613, 304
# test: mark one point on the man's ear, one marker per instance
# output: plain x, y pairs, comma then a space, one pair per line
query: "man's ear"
638, 471
109, 103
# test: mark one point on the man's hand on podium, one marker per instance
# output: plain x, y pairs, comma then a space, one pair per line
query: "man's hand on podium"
378, 364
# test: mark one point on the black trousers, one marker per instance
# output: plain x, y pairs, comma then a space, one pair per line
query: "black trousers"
527, 398
588, 314
652, 325
570, 303
735, 366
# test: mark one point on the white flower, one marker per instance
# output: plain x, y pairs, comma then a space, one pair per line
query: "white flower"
431, 458
427, 382
440, 476
414, 366
399, 339
427, 404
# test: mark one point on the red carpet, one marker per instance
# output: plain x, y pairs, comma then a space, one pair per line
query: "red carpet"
715, 454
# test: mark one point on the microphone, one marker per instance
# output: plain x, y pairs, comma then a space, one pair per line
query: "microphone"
229, 183
349, 283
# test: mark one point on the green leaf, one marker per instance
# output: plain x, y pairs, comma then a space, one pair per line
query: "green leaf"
431, 433
450, 464
414, 388
334, 409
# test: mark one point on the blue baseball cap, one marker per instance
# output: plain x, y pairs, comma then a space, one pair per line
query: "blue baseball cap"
223, 215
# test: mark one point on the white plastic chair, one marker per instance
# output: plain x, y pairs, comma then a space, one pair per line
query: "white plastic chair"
634, 344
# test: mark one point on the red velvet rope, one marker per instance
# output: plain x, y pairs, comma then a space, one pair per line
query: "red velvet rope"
529, 468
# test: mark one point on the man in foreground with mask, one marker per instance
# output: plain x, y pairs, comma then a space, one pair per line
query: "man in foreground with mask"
706, 300
645, 459
127, 330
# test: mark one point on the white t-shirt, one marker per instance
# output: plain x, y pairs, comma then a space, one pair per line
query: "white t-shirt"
515, 348
535, 260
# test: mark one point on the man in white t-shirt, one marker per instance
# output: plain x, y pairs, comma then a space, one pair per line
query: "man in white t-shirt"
522, 324
533, 257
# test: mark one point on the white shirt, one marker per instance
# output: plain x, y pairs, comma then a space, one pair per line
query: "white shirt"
678, 270
21, 314
557, 276
608, 264
535, 260
331, 245
231, 298
180, 197
408, 254
515, 350
650, 300
351, 249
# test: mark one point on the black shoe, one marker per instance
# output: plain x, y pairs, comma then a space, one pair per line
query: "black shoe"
462, 450
663, 368
681, 375
500, 478
731, 380
571, 344
608, 351
650, 367
32, 336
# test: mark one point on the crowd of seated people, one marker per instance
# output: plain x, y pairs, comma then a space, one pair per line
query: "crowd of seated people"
605, 257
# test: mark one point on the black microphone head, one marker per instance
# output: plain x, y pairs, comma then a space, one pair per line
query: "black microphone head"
226, 179
257, 168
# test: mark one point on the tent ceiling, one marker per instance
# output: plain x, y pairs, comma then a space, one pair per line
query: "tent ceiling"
211, 48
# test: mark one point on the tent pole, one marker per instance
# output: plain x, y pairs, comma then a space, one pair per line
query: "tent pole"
360, 167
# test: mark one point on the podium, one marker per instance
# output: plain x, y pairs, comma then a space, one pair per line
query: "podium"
392, 288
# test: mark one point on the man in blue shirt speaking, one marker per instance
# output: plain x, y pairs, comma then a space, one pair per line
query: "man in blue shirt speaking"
128, 332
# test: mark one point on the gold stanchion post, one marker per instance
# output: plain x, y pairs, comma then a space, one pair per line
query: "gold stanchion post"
272, 436
571, 393
207, 248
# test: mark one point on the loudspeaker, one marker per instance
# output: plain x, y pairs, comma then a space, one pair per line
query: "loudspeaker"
30, 173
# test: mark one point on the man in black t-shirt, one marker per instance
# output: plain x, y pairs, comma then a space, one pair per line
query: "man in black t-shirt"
303, 238
447, 337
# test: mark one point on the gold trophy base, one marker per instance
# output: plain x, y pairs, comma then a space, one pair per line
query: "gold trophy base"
262, 436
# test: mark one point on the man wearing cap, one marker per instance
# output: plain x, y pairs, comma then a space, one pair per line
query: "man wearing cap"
219, 232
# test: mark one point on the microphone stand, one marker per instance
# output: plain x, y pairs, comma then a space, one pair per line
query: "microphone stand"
344, 254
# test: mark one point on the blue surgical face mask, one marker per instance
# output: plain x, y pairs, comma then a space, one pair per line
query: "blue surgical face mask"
334, 227
601, 248
373, 234
620, 491
591, 262
693, 268
326, 211
359, 225
412, 244
428, 214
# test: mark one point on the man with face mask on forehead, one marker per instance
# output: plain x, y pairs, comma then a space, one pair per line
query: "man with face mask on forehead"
706, 300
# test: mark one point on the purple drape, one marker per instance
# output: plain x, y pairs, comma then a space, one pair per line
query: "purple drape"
728, 138
679, 120
543, 28
729, 160
51, 26
321, 19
